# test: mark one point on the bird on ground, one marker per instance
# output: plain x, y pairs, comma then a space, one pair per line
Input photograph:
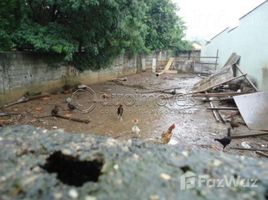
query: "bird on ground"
55, 110
71, 107
233, 123
120, 111
135, 129
167, 135
173, 92
226, 140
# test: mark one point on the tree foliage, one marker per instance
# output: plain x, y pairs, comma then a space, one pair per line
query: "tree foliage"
90, 33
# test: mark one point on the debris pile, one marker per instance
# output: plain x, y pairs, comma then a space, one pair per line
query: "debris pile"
234, 98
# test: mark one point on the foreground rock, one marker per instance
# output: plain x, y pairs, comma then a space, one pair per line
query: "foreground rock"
41, 164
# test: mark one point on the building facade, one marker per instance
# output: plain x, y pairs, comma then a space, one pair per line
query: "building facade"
249, 40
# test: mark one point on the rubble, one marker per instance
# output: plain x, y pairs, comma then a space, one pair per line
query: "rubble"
232, 89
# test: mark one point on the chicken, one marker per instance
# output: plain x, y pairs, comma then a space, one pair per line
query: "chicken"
120, 111
105, 96
173, 92
55, 110
233, 123
167, 135
71, 106
4, 122
135, 129
226, 140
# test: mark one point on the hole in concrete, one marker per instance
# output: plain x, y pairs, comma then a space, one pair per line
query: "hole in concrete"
71, 171
235, 176
266, 194
186, 168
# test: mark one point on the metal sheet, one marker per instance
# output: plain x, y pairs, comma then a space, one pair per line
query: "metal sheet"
254, 109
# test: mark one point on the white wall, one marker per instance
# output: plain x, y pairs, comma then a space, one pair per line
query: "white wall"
250, 41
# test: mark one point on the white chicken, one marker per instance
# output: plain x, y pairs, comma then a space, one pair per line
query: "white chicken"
135, 129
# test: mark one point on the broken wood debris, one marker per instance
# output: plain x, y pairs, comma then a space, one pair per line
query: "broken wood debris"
250, 82
247, 149
220, 94
162, 90
215, 113
262, 154
223, 108
220, 86
8, 114
72, 119
248, 135
25, 99
167, 67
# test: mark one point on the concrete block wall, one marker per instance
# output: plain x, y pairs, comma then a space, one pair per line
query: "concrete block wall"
28, 71
122, 66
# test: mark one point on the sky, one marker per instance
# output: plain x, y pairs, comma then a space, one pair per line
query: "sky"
206, 18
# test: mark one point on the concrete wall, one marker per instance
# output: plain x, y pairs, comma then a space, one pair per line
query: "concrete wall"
21, 72
121, 66
249, 40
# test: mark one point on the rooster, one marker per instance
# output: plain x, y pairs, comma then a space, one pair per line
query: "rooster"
120, 111
167, 135
135, 129
226, 140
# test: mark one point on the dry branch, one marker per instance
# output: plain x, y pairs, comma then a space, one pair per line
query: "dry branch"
251, 149
24, 100
73, 119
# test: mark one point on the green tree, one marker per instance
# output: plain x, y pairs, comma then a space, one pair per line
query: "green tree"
91, 33
166, 29
9, 20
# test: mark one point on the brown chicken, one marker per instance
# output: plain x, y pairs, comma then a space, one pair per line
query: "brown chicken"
233, 123
167, 135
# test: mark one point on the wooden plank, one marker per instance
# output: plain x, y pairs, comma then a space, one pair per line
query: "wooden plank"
73, 119
221, 94
171, 72
213, 111
219, 84
248, 135
223, 108
250, 82
197, 57
25, 99
221, 117
251, 149
8, 114
262, 154
168, 65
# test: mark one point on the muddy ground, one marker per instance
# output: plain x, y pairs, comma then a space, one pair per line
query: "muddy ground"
142, 99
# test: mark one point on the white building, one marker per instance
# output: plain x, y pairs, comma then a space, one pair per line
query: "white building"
249, 40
